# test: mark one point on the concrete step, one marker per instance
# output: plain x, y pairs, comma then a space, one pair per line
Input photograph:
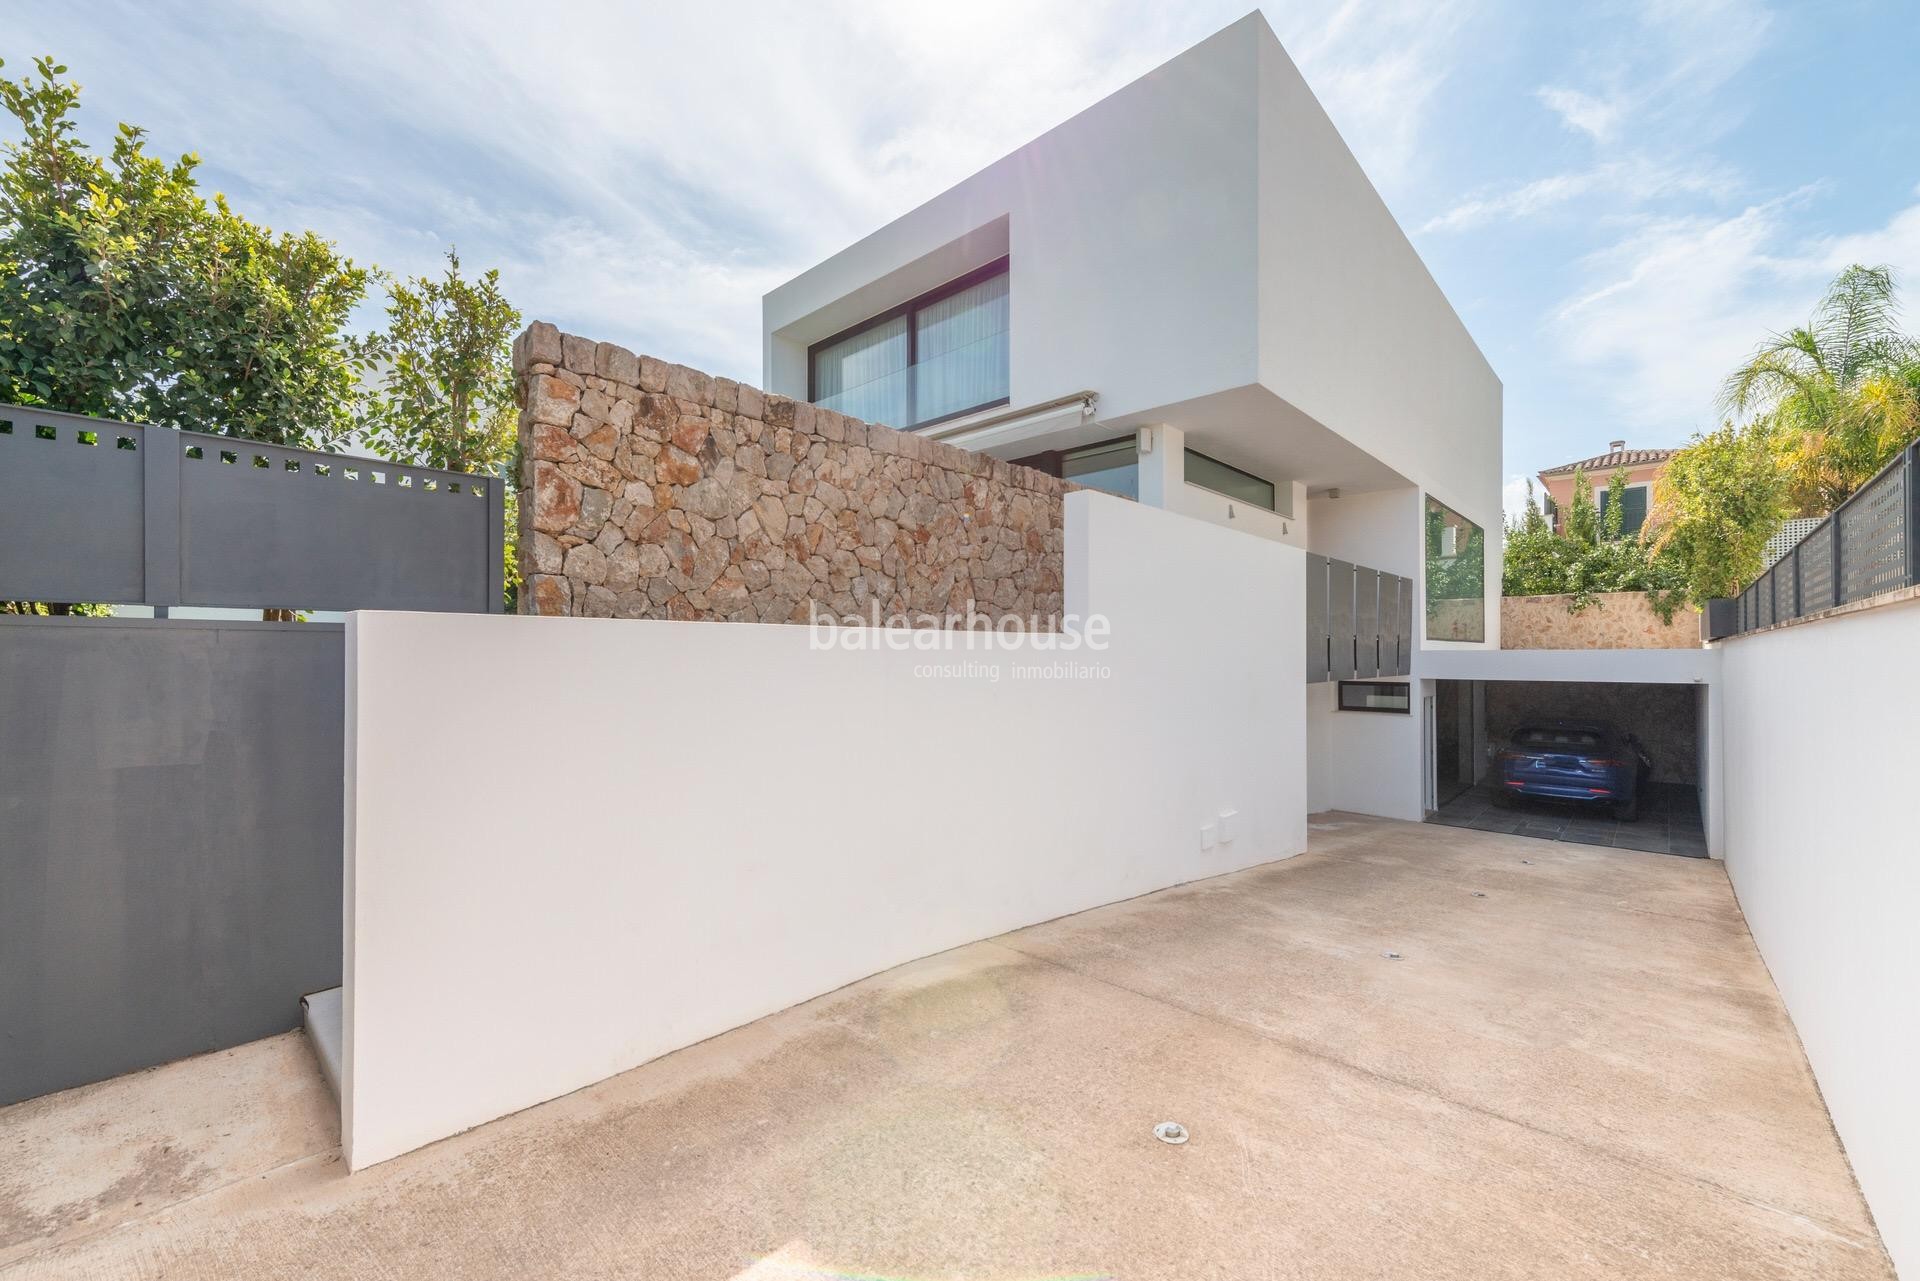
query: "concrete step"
323, 1016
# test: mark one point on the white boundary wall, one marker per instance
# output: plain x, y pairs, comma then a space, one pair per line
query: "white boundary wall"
1821, 743
672, 829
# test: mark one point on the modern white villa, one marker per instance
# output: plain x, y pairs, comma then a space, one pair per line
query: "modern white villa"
1156, 298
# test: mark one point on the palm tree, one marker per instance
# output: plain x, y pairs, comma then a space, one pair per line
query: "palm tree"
1843, 391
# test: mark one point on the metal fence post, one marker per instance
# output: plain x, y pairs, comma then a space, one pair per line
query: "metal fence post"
1799, 597
496, 544
1913, 514
160, 507
1839, 537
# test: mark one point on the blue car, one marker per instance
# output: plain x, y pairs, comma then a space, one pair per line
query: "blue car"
1589, 762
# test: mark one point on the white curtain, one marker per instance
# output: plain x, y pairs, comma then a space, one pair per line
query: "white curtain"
961, 350
959, 353
866, 375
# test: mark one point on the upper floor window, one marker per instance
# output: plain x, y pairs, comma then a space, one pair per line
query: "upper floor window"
1229, 482
942, 355
1633, 508
1456, 576
1112, 465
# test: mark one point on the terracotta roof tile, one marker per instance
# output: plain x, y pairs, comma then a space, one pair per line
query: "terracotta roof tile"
1612, 462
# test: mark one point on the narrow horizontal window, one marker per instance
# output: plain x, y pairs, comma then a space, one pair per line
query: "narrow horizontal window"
1375, 696
1112, 465
1228, 481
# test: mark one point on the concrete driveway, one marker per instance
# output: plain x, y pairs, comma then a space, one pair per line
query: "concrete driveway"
1572, 1064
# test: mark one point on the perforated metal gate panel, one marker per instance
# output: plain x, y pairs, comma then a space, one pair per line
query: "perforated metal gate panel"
1406, 628
75, 518
1318, 636
1816, 570
1359, 622
1873, 537
120, 513
1389, 625
1340, 619
1366, 622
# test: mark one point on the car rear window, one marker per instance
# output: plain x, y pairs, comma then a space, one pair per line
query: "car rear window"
1556, 738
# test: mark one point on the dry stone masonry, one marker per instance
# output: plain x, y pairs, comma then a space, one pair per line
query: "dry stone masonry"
1615, 620
651, 490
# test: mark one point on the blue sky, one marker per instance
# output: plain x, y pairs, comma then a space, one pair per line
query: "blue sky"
1621, 198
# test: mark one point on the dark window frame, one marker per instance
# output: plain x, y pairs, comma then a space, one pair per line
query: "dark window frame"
1000, 266
1340, 697
1112, 445
1273, 503
1431, 557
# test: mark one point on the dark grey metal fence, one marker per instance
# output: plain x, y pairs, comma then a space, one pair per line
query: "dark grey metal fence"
1869, 545
170, 839
116, 513
170, 790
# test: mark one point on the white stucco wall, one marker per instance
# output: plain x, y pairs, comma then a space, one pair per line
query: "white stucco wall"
676, 828
1821, 747
1131, 232
1367, 762
1380, 530
1353, 329
1163, 483
1363, 762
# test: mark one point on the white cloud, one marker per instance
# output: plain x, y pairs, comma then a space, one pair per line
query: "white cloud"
1699, 46
1595, 117
1514, 492
645, 172
1672, 308
1375, 65
1627, 183
1657, 107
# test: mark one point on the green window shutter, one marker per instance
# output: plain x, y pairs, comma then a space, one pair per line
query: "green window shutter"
1633, 511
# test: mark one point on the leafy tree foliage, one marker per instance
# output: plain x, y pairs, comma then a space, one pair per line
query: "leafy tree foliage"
1592, 555
1825, 407
1461, 576
1841, 394
1717, 503
443, 393
125, 294
443, 382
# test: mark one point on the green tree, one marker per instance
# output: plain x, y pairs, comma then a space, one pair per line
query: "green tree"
443, 381
1841, 393
1583, 518
125, 294
1718, 501
443, 373
1532, 554
1593, 555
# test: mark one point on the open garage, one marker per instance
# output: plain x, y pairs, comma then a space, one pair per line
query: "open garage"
1485, 734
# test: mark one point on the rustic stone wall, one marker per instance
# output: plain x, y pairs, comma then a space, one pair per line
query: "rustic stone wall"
1615, 620
651, 490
